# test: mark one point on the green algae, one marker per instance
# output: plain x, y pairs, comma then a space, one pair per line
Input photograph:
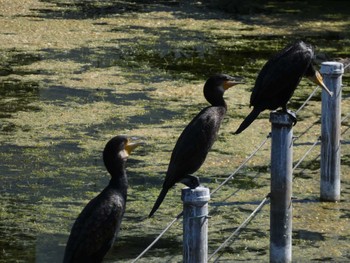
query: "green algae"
74, 75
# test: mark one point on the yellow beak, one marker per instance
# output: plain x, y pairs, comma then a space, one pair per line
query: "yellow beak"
317, 78
230, 83
130, 146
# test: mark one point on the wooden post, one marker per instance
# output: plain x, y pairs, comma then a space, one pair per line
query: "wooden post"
195, 224
281, 188
330, 132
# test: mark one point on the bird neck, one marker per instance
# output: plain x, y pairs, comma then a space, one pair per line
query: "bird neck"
218, 102
215, 96
116, 168
120, 182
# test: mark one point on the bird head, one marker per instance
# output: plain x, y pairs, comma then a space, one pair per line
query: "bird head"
216, 85
118, 149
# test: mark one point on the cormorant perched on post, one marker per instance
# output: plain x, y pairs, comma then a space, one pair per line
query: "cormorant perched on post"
198, 137
97, 226
278, 79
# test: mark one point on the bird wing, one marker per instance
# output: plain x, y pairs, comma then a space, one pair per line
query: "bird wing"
95, 228
279, 77
193, 144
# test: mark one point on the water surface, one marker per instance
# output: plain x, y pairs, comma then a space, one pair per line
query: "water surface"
72, 75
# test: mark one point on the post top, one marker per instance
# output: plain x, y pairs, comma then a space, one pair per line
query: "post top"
199, 194
331, 67
281, 118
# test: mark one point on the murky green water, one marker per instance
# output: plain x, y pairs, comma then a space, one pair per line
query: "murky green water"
72, 75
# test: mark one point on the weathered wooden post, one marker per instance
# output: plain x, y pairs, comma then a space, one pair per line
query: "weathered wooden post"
195, 224
330, 132
281, 188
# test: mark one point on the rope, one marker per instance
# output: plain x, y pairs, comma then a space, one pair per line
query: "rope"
244, 224
240, 167
159, 236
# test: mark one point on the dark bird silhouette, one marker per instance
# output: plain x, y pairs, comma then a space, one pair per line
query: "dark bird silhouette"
97, 226
198, 137
278, 79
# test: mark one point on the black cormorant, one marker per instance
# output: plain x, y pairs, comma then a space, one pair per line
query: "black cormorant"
198, 137
97, 226
278, 79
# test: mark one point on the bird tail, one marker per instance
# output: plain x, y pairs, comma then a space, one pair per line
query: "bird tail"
248, 120
159, 201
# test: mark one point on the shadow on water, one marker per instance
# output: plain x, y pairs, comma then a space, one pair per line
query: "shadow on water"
31, 247
87, 9
308, 235
62, 94
20, 58
65, 170
233, 246
17, 95
168, 53
17, 239
128, 247
17, 245
193, 62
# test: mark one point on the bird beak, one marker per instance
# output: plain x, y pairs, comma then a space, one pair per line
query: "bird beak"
232, 82
131, 144
317, 78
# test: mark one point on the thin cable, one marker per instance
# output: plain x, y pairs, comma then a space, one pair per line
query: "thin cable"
343, 119
179, 215
343, 132
240, 167
245, 223
307, 100
253, 178
159, 236
315, 143
263, 202
306, 153
304, 132
233, 174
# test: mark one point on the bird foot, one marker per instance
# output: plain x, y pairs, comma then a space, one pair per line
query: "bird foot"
291, 115
191, 181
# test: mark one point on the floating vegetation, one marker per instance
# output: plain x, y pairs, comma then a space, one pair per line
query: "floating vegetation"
75, 73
